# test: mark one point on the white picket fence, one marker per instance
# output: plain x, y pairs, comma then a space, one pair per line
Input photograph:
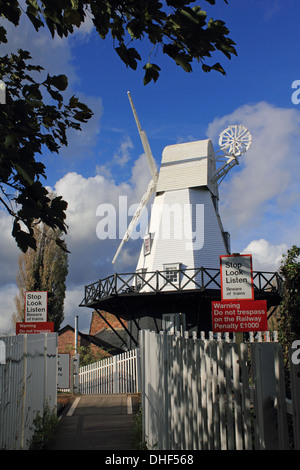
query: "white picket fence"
120, 373
210, 394
116, 374
28, 382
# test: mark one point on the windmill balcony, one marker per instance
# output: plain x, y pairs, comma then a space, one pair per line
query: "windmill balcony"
205, 280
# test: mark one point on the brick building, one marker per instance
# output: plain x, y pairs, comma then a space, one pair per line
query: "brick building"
102, 338
66, 343
107, 328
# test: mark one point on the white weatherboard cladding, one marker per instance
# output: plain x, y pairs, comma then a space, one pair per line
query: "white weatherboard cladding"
174, 216
213, 246
187, 165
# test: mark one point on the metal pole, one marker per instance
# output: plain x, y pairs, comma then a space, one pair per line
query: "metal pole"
76, 333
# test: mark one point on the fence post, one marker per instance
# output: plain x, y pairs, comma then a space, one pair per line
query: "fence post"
23, 392
45, 369
142, 380
166, 373
295, 389
281, 400
264, 387
2, 353
75, 374
115, 384
138, 370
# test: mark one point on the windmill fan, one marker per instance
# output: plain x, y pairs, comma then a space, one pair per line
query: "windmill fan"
235, 140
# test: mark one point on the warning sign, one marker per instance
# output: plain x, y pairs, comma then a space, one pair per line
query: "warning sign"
236, 277
36, 304
239, 316
24, 328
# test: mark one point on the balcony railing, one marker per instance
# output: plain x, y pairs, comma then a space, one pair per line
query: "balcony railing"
163, 281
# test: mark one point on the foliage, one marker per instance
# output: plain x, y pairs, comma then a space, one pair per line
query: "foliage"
87, 355
44, 429
180, 30
27, 127
137, 438
44, 269
289, 315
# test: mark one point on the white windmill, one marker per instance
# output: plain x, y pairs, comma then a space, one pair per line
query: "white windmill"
185, 229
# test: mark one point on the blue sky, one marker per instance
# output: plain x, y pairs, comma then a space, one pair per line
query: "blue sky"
259, 199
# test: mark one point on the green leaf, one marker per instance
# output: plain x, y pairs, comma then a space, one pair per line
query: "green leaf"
184, 61
188, 14
122, 52
24, 240
3, 34
129, 56
21, 170
32, 92
151, 73
217, 67
60, 82
73, 16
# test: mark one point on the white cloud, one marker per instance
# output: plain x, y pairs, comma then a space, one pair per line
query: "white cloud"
7, 307
84, 195
9, 252
73, 298
265, 256
122, 156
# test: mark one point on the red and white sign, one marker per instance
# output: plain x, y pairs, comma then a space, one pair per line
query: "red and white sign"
238, 316
36, 306
236, 277
24, 328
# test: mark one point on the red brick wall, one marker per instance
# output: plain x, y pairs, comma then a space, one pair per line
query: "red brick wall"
97, 323
66, 344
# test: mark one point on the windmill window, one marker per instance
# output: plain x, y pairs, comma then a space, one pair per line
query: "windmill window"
147, 244
172, 272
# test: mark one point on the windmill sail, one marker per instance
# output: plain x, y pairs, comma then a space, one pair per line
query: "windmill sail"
151, 186
150, 189
145, 143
